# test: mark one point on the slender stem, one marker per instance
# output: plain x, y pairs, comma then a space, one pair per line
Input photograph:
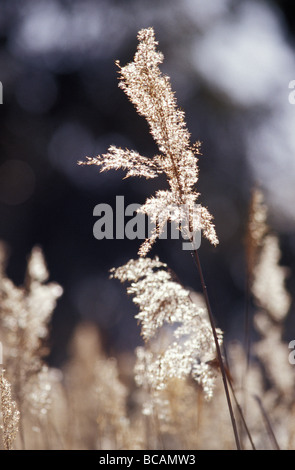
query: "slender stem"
238, 405
248, 316
247, 334
218, 350
267, 423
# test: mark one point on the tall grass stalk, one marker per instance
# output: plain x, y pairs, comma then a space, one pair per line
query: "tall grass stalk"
218, 350
151, 93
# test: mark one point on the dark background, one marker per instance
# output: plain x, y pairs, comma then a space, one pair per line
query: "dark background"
62, 102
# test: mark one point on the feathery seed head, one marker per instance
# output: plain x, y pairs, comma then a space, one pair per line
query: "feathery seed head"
164, 303
151, 93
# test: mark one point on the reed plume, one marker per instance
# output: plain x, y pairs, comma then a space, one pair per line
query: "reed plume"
25, 313
164, 302
9, 412
151, 93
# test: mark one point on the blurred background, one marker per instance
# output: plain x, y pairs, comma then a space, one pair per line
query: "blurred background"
230, 64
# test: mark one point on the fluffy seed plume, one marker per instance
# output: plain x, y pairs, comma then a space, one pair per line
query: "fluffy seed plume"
269, 281
25, 313
151, 93
10, 414
164, 303
257, 229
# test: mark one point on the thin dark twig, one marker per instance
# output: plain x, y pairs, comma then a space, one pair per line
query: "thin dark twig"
237, 403
248, 323
267, 423
218, 350
247, 330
